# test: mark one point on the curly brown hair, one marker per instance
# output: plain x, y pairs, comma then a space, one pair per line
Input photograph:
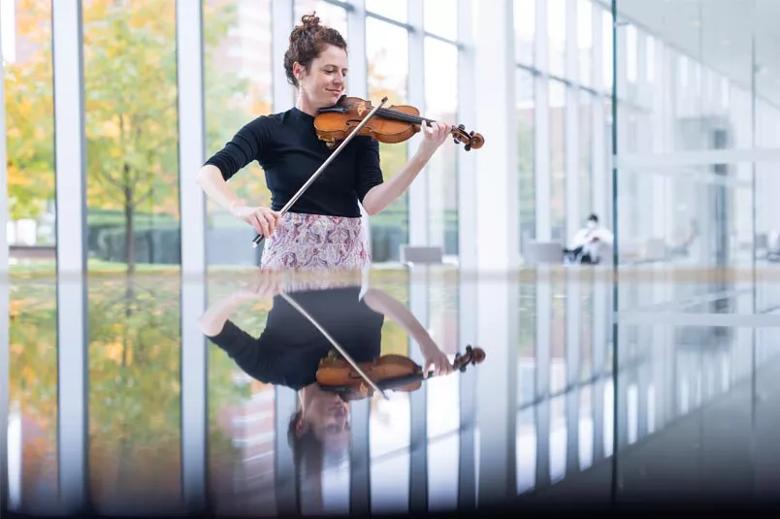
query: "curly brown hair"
307, 41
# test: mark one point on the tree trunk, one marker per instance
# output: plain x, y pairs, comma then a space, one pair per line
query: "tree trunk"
129, 230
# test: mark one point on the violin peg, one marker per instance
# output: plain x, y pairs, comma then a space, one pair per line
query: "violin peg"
467, 147
462, 126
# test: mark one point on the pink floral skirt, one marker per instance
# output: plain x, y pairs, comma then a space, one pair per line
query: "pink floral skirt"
315, 241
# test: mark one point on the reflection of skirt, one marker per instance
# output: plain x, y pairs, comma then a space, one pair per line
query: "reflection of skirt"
315, 241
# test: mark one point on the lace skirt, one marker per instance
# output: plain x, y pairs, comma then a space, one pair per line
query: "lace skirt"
315, 241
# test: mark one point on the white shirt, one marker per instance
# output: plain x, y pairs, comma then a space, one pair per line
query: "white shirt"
592, 240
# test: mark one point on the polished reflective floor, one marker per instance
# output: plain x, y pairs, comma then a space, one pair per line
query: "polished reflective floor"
167, 395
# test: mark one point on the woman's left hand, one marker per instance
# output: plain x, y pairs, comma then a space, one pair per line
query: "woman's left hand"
436, 361
433, 137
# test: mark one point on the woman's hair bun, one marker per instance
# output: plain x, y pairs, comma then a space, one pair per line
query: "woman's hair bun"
310, 21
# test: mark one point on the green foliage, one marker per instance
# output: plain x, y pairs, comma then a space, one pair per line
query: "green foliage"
28, 86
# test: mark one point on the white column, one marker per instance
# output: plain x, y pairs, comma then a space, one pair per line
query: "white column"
72, 335
360, 459
542, 381
418, 451
193, 253
356, 35
357, 82
601, 332
497, 189
542, 130
496, 389
285, 483
281, 26
4, 215
573, 347
601, 163
467, 176
4, 303
419, 190
69, 139
467, 334
189, 59
572, 165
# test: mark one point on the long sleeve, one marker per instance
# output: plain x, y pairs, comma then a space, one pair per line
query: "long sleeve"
245, 350
368, 172
245, 146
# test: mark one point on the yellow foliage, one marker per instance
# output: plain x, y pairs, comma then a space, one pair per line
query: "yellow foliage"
113, 351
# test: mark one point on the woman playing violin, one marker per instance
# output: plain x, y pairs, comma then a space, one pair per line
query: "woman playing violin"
323, 228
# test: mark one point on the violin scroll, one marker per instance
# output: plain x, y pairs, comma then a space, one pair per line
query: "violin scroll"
472, 140
472, 356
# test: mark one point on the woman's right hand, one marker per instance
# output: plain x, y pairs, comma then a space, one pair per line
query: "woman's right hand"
263, 219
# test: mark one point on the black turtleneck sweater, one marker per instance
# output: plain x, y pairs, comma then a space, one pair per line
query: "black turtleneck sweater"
289, 349
287, 147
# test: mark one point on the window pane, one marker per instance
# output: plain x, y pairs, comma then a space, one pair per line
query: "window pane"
557, 122
388, 58
606, 49
441, 17
441, 101
29, 105
393, 10
585, 41
237, 77
525, 159
525, 26
331, 15
631, 51
134, 398
32, 398
131, 128
585, 169
556, 33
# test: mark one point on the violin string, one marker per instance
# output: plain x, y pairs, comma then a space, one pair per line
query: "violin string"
400, 116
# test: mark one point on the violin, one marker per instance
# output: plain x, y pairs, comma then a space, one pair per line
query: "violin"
390, 125
395, 372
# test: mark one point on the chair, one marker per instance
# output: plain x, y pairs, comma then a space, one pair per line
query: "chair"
415, 254
539, 252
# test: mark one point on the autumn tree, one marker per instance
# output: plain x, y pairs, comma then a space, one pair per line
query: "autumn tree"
29, 113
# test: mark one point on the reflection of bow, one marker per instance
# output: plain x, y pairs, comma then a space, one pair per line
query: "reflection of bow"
333, 342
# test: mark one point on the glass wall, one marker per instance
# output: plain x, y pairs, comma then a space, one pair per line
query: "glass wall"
682, 92
441, 101
387, 54
525, 134
571, 95
237, 82
29, 107
557, 141
131, 130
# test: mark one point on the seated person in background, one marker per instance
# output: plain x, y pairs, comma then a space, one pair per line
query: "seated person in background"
589, 242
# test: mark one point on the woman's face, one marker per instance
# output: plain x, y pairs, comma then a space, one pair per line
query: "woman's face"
326, 79
328, 415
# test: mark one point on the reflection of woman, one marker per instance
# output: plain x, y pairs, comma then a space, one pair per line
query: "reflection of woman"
289, 349
322, 228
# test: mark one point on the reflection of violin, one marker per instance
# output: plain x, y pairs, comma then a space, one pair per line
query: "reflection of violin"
391, 125
388, 372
